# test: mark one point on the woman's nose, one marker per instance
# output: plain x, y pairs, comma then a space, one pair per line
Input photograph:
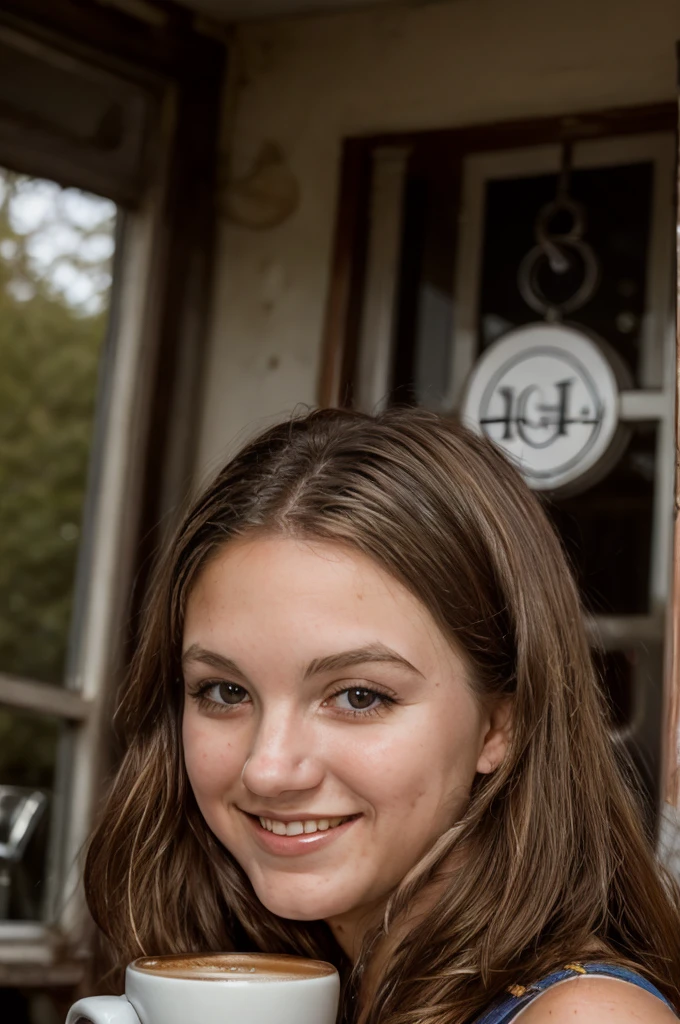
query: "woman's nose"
282, 759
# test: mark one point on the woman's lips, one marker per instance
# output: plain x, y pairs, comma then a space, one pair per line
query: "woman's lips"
294, 846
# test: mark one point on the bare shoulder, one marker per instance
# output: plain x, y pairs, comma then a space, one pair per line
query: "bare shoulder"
592, 1000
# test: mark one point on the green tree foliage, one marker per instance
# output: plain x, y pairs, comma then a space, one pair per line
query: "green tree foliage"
55, 248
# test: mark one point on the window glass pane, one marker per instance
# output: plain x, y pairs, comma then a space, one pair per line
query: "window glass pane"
56, 247
617, 203
607, 530
28, 755
615, 670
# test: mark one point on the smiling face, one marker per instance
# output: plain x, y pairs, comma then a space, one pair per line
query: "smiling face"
330, 731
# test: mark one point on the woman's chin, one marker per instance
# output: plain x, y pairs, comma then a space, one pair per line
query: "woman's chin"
303, 905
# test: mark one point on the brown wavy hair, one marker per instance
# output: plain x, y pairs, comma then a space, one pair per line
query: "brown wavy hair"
550, 862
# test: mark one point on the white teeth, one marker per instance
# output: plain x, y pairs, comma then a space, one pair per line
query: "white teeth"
298, 828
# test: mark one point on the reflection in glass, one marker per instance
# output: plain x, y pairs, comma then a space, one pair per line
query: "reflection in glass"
56, 247
28, 754
20, 812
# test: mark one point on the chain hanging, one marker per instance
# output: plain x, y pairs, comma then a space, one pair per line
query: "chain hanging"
557, 250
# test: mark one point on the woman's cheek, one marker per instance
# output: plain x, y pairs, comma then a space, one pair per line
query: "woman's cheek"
209, 756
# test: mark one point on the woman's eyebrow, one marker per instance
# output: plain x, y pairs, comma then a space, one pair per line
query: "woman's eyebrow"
211, 658
371, 653
376, 652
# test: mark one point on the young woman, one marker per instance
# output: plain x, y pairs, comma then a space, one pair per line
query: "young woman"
363, 725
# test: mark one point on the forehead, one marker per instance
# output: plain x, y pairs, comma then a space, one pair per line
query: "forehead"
278, 573
309, 597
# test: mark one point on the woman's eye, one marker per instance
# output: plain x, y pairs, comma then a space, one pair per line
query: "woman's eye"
226, 693
358, 699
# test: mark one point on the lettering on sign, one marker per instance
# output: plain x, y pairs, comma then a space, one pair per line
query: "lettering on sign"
537, 422
548, 395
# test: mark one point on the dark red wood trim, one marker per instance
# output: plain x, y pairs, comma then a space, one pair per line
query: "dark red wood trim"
671, 720
349, 254
636, 120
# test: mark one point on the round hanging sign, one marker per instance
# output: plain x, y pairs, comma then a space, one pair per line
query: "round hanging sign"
549, 397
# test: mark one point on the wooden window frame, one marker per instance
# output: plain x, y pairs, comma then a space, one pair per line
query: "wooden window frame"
145, 435
439, 154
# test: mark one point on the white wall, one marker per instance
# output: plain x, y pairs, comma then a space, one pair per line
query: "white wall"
305, 83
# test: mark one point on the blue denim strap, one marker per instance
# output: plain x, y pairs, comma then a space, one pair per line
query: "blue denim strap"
506, 1009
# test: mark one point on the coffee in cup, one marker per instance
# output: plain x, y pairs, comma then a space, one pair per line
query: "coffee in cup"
218, 988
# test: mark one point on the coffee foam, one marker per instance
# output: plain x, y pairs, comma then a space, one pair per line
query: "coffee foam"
233, 967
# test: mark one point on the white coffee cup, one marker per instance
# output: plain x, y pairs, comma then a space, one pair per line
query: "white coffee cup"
218, 988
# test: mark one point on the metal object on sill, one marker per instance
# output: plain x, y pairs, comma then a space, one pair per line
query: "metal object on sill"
21, 808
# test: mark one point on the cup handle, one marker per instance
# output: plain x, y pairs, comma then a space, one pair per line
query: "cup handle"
102, 1010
